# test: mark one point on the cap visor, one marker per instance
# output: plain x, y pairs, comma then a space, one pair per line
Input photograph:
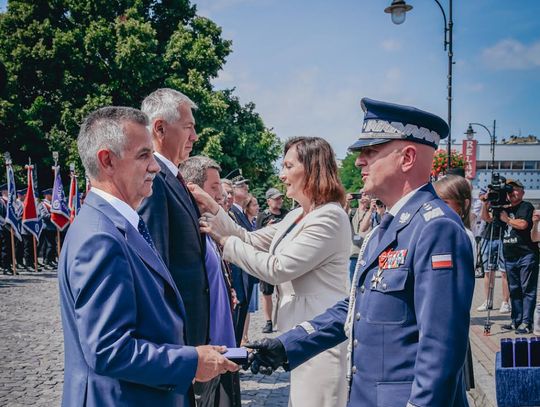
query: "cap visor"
361, 143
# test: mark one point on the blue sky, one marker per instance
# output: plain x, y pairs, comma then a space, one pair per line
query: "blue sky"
307, 63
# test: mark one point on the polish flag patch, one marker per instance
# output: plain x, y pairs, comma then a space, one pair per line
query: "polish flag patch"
441, 261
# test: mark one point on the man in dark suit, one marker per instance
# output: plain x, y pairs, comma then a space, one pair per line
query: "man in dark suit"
122, 316
171, 214
242, 281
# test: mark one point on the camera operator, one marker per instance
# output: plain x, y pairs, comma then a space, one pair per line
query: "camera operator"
376, 211
521, 258
356, 216
535, 236
492, 257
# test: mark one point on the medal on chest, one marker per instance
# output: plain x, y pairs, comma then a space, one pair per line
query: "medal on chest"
388, 259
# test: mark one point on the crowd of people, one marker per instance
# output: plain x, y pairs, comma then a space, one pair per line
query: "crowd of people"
45, 255
161, 267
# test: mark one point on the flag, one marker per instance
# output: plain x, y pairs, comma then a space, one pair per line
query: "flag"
11, 212
30, 219
74, 202
59, 210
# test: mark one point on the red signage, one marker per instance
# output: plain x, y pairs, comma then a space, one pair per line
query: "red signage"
469, 154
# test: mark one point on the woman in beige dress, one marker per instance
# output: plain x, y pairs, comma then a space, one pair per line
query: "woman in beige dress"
305, 255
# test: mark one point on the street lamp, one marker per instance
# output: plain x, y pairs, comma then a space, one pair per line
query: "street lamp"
492, 139
398, 9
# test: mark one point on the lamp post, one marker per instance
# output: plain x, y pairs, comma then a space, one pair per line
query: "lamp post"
492, 139
398, 9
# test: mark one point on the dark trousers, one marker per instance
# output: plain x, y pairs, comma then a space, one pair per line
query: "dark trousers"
49, 245
522, 281
28, 248
5, 254
19, 251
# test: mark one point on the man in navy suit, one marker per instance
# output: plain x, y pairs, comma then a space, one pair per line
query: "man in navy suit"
173, 217
407, 318
122, 316
170, 213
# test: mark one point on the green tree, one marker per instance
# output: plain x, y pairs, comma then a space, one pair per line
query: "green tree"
350, 175
65, 58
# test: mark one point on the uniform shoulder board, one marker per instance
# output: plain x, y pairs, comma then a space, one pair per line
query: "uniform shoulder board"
431, 210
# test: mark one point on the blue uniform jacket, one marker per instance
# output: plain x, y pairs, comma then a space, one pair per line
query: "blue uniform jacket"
122, 316
410, 330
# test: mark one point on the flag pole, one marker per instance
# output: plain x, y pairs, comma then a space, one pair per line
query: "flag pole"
7, 158
31, 167
13, 257
55, 168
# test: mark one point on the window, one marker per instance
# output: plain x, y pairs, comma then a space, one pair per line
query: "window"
505, 165
517, 165
530, 165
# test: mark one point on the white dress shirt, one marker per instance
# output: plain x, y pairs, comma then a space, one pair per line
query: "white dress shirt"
170, 165
125, 210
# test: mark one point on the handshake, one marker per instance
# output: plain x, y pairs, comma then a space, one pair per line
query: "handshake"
268, 355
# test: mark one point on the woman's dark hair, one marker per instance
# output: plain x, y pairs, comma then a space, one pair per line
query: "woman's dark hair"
321, 181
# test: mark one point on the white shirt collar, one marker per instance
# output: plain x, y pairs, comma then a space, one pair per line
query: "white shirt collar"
125, 210
238, 206
401, 203
170, 165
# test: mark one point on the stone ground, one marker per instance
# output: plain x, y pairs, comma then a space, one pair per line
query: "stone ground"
31, 353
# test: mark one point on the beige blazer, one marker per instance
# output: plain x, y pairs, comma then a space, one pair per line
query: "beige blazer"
309, 265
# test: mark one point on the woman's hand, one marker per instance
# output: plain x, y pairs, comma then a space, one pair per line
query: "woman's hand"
210, 224
205, 202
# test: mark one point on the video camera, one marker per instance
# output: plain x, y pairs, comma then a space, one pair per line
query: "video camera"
498, 191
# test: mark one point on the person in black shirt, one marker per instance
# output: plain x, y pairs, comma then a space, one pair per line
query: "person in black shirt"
273, 214
521, 258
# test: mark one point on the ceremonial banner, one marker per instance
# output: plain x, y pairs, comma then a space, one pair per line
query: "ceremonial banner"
74, 202
11, 213
59, 210
469, 155
30, 219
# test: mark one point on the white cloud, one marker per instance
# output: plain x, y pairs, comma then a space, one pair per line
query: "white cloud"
510, 54
391, 45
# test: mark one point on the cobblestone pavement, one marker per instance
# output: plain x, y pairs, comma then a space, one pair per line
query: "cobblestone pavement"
31, 347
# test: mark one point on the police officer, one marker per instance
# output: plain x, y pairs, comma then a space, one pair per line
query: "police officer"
5, 244
407, 318
49, 230
19, 244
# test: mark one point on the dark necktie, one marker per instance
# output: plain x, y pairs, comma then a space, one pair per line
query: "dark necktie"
385, 222
182, 180
143, 230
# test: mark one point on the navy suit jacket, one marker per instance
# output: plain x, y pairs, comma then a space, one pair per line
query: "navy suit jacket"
173, 221
122, 316
410, 330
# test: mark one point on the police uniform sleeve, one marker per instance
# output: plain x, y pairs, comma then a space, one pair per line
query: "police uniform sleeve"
310, 338
443, 289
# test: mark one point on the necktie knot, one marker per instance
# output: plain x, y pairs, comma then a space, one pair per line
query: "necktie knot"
143, 230
385, 222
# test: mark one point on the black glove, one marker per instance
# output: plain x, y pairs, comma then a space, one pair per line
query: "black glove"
268, 355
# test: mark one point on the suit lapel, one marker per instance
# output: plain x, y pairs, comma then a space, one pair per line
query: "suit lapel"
241, 219
402, 219
135, 241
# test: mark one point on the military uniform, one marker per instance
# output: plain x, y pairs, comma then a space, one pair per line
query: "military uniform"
49, 232
407, 318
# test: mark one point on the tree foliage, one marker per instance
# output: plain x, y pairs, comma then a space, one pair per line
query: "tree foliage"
350, 175
65, 58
